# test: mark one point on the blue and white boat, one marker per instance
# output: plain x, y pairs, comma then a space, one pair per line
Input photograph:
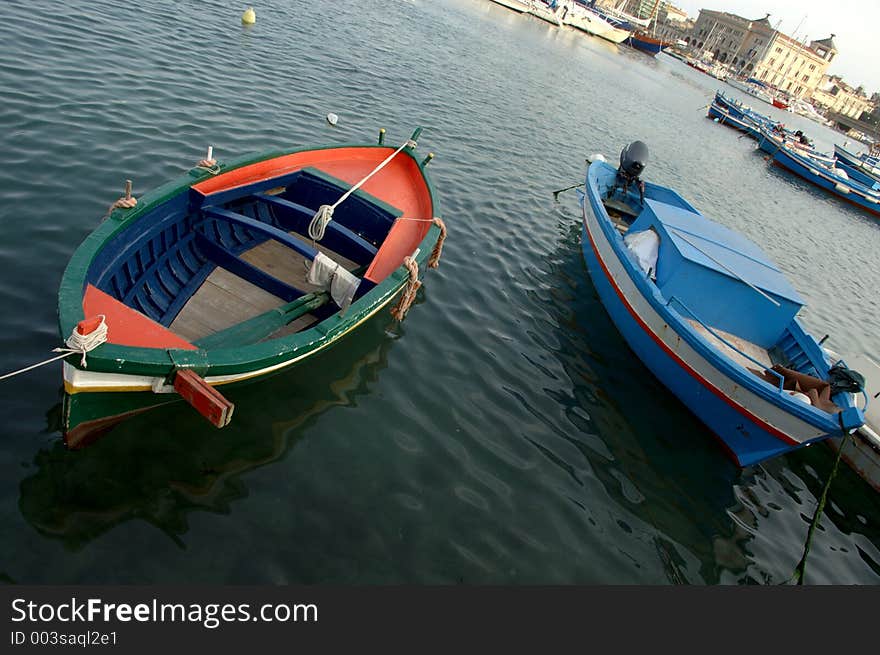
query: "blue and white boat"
710, 315
824, 176
863, 168
735, 119
772, 139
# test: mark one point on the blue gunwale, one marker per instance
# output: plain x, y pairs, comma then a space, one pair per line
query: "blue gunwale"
821, 420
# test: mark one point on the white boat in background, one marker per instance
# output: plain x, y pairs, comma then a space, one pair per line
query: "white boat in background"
619, 14
862, 454
803, 108
519, 6
752, 89
587, 20
550, 12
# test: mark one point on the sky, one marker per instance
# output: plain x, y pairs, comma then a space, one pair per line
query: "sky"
853, 23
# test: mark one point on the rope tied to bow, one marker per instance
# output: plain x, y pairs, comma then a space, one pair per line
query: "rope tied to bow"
86, 336
409, 291
85, 341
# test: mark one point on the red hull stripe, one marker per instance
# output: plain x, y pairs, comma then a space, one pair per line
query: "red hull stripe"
711, 387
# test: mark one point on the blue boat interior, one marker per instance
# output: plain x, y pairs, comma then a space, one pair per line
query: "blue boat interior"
720, 284
159, 263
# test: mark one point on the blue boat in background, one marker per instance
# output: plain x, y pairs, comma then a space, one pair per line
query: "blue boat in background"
710, 315
733, 113
832, 180
862, 168
734, 119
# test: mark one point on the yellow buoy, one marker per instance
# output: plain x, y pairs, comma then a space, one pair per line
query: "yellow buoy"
249, 17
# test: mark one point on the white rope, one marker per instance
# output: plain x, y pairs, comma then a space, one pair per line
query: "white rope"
76, 343
83, 343
325, 212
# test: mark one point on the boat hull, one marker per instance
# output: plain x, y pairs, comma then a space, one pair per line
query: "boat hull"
728, 118
153, 356
519, 6
750, 428
814, 174
647, 44
95, 402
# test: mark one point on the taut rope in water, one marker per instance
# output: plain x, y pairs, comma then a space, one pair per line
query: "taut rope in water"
325, 212
798, 575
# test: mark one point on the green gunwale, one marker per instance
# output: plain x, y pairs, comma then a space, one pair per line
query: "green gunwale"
111, 358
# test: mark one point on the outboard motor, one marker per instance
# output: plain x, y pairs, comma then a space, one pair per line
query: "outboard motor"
633, 160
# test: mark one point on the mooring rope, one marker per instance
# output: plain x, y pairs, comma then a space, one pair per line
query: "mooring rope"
209, 163
76, 343
434, 259
798, 575
409, 292
325, 212
125, 201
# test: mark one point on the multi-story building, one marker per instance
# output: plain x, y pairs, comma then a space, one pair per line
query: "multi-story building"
794, 67
839, 97
648, 8
754, 48
669, 23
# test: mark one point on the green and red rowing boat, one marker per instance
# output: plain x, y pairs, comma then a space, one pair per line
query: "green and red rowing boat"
235, 271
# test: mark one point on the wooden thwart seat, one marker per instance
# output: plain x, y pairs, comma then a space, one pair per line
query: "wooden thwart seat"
258, 226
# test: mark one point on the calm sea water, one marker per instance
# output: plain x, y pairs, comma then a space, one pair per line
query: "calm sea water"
504, 433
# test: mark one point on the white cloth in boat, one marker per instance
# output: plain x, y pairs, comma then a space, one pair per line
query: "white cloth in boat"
328, 274
645, 245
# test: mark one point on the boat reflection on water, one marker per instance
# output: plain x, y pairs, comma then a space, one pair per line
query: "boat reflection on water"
651, 455
161, 466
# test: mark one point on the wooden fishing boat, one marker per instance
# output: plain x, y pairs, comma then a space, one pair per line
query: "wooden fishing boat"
822, 175
235, 271
709, 314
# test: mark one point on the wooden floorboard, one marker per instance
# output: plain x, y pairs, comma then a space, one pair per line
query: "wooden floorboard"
224, 299
288, 265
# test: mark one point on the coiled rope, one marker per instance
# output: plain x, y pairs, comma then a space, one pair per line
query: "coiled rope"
209, 163
77, 342
126, 201
325, 212
409, 292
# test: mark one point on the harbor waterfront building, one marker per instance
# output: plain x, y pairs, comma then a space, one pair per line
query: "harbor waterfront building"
835, 95
754, 48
